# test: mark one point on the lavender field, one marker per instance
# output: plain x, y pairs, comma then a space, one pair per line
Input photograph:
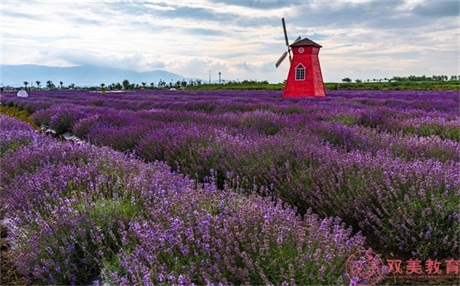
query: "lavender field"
231, 187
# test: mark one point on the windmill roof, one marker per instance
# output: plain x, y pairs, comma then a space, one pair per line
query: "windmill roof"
305, 42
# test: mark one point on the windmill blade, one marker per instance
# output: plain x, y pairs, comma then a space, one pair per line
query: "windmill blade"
285, 33
286, 39
281, 59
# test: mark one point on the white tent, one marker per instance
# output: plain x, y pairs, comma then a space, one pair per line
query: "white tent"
22, 93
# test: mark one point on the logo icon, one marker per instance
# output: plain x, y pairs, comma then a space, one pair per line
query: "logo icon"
365, 268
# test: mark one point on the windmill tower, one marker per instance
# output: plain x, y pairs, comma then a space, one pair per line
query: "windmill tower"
304, 78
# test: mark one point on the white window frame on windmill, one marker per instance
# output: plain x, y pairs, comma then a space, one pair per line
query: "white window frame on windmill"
300, 72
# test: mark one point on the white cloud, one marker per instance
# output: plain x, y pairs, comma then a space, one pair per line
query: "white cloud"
241, 39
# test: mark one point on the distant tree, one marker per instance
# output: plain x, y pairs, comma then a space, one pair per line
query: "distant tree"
38, 84
72, 86
143, 84
50, 84
61, 84
126, 84
152, 85
161, 84
358, 81
25, 84
347, 79
102, 88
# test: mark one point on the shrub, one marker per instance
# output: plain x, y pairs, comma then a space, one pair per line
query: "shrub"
80, 209
209, 237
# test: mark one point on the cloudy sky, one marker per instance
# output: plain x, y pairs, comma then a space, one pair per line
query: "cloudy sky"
242, 39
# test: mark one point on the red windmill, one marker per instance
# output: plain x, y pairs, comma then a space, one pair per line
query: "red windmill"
304, 78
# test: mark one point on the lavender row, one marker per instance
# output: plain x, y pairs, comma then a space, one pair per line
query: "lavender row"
223, 101
15, 134
364, 138
391, 111
306, 153
304, 171
434, 137
77, 211
409, 206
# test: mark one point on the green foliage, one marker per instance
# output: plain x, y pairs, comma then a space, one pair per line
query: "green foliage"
396, 83
18, 113
244, 85
346, 85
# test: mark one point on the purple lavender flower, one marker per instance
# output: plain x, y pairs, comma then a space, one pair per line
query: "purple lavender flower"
386, 163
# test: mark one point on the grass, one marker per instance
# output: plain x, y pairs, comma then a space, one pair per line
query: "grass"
18, 113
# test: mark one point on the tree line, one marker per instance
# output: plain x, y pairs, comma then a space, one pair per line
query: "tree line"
441, 78
395, 82
124, 85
